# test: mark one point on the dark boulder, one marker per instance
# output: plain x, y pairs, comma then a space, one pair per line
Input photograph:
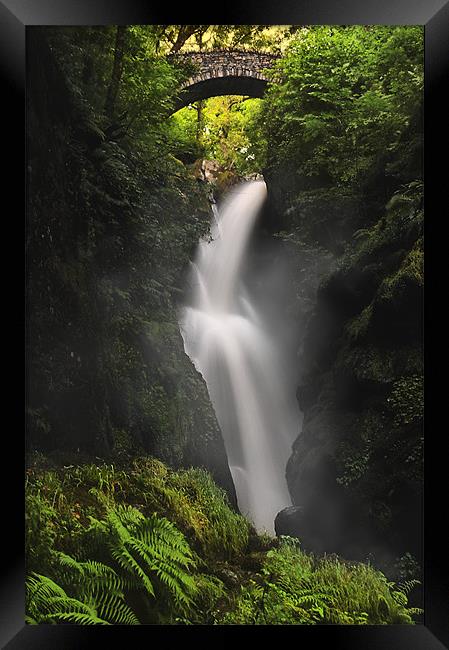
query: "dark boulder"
319, 529
288, 521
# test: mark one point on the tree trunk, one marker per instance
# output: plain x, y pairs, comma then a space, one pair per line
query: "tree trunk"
117, 69
185, 32
199, 120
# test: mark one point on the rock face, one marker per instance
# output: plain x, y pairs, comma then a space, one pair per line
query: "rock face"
355, 473
107, 254
205, 170
181, 426
356, 467
215, 178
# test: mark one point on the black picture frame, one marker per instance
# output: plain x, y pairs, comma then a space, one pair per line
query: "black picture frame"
15, 17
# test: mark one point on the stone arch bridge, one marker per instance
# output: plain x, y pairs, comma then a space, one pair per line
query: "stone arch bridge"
224, 72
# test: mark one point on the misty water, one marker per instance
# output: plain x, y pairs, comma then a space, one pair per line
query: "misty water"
235, 339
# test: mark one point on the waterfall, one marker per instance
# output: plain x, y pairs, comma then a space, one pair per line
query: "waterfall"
241, 361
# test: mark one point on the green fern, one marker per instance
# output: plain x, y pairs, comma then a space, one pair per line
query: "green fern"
407, 586
146, 547
91, 575
97, 592
401, 594
150, 555
113, 608
47, 602
79, 618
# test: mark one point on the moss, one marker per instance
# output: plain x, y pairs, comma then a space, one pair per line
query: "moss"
367, 364
407, 278
358, 327
406, 400
224, 181
367, 431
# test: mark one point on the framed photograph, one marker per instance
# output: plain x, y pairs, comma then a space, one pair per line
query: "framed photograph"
225, 227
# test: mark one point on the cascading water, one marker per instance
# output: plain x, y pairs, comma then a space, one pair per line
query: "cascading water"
225, 336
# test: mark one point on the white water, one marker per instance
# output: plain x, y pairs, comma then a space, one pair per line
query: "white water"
230, 345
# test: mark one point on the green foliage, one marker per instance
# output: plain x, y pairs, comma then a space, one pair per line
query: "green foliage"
343, 97
295, 588
47, 602
223, 130
61, 505
210, 592
99, 596
175, 38
40, 530
219, 529
197, 505
131, 565
51, 519
124, 550
147, 546
148, 555
99, 586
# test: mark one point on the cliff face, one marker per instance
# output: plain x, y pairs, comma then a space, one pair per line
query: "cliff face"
355, 473
107, 252
360, 450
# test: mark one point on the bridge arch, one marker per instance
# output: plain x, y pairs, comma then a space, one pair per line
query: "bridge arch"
224, 72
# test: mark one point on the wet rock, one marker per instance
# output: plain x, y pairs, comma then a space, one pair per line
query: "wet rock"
288, 521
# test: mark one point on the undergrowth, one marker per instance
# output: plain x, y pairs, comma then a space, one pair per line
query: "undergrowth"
153, 545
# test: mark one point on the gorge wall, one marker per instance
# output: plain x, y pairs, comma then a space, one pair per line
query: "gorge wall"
355, 473
107, 251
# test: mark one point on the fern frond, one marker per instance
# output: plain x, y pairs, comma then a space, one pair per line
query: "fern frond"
39, 589
66, 605
407, 586
102, 576
29, 620
415, 611
400, 597
113, 608
88, 578
147, 552
79, 618
142, 546
128, 563
100, 599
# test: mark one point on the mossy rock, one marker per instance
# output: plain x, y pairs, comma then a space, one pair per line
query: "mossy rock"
366, 364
